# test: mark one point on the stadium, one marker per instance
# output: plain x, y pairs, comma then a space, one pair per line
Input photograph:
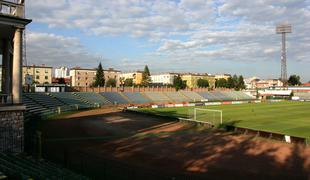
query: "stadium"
115, 131
94, 123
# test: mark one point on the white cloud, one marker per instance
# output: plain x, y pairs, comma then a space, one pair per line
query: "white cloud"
230, 30
51, 49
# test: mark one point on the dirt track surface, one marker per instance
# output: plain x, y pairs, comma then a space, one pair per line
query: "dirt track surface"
171, 148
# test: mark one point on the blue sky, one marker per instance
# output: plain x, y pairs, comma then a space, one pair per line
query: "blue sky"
223, 36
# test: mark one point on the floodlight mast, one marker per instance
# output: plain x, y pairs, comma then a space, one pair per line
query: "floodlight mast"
283, 29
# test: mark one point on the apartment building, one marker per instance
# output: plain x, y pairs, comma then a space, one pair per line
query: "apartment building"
135, 76
163, 79
39, 74
191, 79
85, 77
82, 77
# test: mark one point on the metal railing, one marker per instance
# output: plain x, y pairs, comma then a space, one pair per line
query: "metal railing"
6, 99
12, 8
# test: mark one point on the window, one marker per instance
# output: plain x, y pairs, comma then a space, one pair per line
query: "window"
86, 84
86, 78
37, 71
46, 71
46, 77
37, 77
78, 84
78, 78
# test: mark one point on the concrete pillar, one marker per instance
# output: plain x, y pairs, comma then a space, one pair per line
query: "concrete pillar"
17, 67
6, 68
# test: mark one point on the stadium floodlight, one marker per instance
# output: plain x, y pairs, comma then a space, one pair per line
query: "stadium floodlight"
283, 29
209, 116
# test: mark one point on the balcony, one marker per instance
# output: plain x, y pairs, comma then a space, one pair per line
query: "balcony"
12, 8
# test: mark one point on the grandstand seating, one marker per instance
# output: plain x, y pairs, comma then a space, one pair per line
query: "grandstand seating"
22, 167
192, 95
303, 95
208, 96
34, 108
45, 104
157, 97
47, 101
177, 97
70, 99
92, 98
136, 97
115, 97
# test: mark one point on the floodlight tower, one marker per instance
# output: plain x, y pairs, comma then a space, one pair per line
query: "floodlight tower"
283, 29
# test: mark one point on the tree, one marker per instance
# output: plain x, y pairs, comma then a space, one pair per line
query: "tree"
221, 83
240, 83
99, 81
202, 83
178, 83
230, 83
128, 82
146, 79
294, 80
111, 82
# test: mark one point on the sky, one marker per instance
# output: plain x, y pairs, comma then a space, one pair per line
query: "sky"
203, 36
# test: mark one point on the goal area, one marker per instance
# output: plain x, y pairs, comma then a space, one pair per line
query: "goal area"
209, 116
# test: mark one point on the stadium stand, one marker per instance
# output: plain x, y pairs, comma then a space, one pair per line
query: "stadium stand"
221, 96
114, 97
136, 97
192, 95
177, 97
48, 101
208, 96
70, 99
34, 108
45, 104
303, 96
22, 167
93, 98
157, 97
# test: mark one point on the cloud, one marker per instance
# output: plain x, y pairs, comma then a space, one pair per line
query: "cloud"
235, 31
56, 50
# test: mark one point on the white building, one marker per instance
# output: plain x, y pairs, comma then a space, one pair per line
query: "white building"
254, 82
62, 72
163, 79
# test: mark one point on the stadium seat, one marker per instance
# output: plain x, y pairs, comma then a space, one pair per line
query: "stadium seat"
177, 97
22, 167
137, 97
115, 97
193, 96
157, 97
72, 100
93, 98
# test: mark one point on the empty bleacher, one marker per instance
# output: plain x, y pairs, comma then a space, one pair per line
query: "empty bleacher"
115, 97
48, 101
208, 96
193, 96
137, 97
157, 97
92, 98
34, 108
23, 167
72, 100
177, 97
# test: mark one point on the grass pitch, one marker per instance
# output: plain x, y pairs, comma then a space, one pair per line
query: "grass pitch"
289, 118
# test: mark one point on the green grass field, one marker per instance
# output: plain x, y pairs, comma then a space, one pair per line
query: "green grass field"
289, 118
